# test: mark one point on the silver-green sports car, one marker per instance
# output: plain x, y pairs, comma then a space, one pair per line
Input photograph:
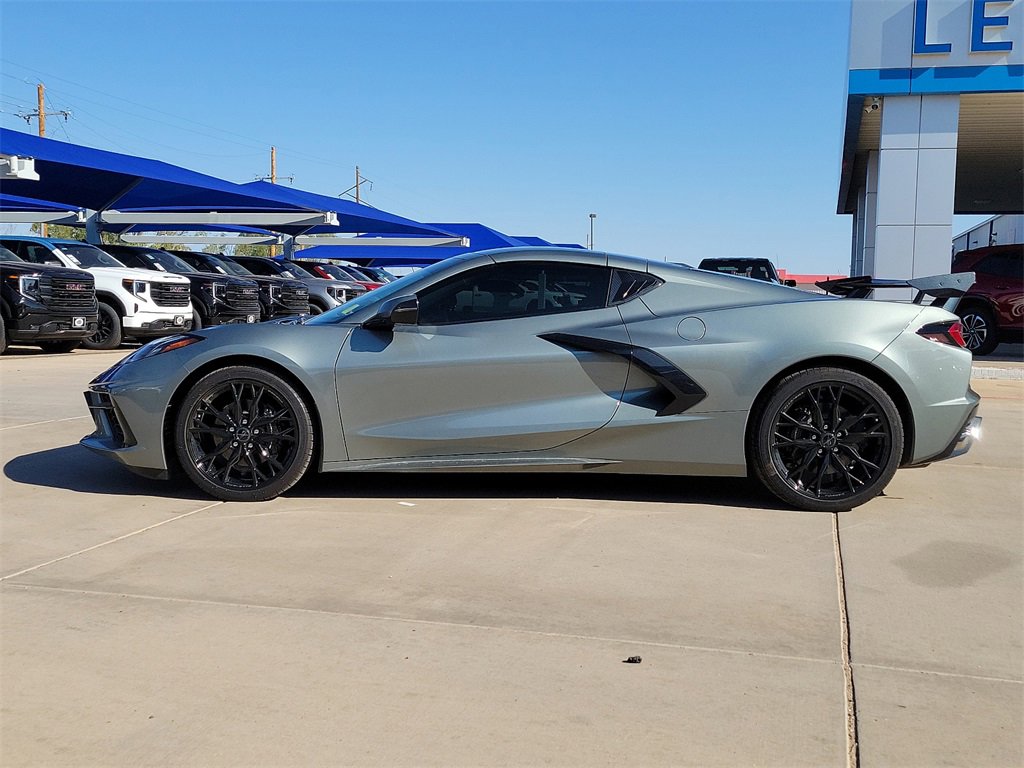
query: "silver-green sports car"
546, 359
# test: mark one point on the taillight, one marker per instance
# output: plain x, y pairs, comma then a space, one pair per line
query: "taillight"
945, 333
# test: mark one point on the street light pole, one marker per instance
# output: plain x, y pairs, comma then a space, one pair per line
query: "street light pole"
592, 217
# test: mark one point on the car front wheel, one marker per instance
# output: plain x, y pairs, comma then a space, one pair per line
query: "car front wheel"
826, 440
244, 434
108, 334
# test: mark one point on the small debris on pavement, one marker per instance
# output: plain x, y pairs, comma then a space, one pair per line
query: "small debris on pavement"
632, 660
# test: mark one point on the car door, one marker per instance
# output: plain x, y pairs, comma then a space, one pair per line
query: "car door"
475, 375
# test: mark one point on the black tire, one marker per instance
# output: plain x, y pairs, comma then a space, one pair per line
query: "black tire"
3, 335
979, 328
108, 336
197, 320
799, 454
315, 309
276, 444
59, 347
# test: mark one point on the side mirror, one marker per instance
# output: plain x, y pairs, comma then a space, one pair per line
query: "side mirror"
790, 283
401, 310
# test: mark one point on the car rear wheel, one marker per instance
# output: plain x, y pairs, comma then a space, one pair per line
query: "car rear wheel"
197, 320
979, 329
108, 334
315, 309
244, 434
3, 335
826, 440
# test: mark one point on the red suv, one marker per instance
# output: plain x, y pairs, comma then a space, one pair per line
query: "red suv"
993, 310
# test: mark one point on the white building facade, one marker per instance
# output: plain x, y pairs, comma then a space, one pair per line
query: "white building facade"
934, 126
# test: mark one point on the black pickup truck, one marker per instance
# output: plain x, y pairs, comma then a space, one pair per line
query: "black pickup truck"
279, 297
50, 307
216, 299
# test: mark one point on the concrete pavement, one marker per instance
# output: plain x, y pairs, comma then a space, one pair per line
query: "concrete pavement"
484, 620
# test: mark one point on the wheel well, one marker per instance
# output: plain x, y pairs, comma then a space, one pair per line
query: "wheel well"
975, 301
318, 302
112, 301
222, 362
880, 377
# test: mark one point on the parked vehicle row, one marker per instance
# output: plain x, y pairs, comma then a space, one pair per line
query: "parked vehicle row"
123, 292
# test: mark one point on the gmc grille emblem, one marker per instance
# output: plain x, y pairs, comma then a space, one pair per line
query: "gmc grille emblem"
76, 287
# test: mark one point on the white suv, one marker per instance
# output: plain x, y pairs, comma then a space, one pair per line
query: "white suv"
135, 303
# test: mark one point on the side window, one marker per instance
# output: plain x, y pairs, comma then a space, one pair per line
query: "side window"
515, 289
627, 285
38, 254
1001, 264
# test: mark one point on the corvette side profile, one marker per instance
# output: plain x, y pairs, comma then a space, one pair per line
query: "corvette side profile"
548, 359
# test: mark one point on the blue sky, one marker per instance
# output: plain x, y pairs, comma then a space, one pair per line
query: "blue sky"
692, 129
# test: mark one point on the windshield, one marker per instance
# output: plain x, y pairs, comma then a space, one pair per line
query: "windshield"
294, 271
228, 267
334, 271
84, 255
7, 255
166, 262
403, 285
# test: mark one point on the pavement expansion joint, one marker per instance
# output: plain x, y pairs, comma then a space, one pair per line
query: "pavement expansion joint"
109, 541
849, 693
26, 587
40, 423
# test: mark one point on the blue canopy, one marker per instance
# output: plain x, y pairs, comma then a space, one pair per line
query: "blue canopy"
481, 238
82, 177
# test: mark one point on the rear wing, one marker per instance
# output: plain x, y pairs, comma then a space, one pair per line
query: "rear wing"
945, 290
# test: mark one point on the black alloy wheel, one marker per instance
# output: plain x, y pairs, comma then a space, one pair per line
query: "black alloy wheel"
244, 434
827, 440
108, 333
978, 326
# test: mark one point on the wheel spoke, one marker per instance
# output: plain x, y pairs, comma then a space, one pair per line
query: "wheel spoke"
784, 441
856, 455
821, 474
800, 424
797, 474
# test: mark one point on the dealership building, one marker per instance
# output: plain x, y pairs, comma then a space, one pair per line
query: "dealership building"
934, 127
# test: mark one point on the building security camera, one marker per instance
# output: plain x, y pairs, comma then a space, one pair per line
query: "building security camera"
872, 105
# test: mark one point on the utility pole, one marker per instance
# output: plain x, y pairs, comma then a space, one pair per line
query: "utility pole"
273, 165
40, 115
591, 244
360, 180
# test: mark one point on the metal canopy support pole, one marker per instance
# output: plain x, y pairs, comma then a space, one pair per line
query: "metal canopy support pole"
92, 228
289, 246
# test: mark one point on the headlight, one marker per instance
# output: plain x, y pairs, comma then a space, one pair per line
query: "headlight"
166, 344
217, 290
135, 287
275, 292
28, 285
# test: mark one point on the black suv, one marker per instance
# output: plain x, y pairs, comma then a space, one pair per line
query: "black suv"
216, 299
51, 307
278, 297
759, 269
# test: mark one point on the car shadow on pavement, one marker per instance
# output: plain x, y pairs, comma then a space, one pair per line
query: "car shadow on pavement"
74, 468
717, 491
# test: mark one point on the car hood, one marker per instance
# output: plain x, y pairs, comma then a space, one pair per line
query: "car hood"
149, 275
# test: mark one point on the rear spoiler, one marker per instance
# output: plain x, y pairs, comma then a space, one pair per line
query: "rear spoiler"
945, 290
